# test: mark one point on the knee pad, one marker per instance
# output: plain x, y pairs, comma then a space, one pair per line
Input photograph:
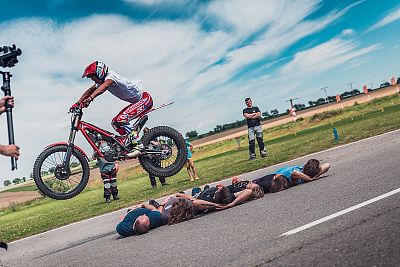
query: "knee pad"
110, 176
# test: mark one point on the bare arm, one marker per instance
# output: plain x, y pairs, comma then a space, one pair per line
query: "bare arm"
257, 115
184, 196
248, 115
242, 197
102, 88
204, 205
87, 93
296, 175
324, 168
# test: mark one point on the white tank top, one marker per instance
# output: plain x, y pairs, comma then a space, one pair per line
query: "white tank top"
124, 89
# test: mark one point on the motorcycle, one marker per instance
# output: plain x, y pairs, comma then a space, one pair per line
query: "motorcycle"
62, 170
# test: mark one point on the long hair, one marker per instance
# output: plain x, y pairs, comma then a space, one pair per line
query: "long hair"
311, 168
278, 184
181, 210
223, 196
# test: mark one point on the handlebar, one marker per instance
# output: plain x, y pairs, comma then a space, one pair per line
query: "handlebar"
75, 110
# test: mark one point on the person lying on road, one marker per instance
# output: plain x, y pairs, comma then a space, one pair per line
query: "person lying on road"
150, 216
227, 195
311, 171
280, 180
139, 221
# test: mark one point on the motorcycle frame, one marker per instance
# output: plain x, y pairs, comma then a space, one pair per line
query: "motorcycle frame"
78, 125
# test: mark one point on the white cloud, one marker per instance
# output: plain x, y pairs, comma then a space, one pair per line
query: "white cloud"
172, 58
324, 57
391, 17
157, 2
347, 33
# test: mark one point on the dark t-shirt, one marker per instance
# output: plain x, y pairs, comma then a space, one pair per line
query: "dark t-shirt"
208, 194
252, 122
237, 187
125, 227
265, 182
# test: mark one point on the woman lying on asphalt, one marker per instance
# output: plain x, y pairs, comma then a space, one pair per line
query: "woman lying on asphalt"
311, 171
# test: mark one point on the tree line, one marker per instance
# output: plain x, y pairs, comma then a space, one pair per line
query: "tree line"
266, 115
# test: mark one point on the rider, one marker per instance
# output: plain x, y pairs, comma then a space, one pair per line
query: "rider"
130, 91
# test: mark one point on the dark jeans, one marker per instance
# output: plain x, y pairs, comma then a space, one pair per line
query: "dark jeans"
252, 145
153, 180
255, 133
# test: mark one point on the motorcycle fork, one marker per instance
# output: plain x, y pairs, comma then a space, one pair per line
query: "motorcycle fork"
71, 140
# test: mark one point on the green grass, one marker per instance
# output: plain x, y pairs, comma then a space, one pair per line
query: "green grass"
214, 162
21, 188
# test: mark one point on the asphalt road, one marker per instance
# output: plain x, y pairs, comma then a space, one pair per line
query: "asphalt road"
253, 234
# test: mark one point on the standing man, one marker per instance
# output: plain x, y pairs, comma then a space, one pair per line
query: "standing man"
253, 117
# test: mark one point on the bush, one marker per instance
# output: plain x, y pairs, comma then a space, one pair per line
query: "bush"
325, 115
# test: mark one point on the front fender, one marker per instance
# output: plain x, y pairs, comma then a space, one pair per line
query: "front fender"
66, 144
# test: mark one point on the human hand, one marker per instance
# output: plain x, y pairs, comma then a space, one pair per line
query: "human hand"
74, 106
235, 180
86, 102
7, 99
222, 207
10, 151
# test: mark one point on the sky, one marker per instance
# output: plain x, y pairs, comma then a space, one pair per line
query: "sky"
206, 56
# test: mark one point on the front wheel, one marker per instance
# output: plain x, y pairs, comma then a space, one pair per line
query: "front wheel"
169, 148
56, 181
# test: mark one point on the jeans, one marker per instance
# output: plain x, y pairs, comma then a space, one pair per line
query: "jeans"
255, 133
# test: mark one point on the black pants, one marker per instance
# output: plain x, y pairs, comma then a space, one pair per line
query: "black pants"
252, 145
153, 180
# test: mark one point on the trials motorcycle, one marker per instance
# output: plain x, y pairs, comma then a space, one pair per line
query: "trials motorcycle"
62, 170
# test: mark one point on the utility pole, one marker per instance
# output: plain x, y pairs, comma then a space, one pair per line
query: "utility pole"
291, 101
326, 94
351, 85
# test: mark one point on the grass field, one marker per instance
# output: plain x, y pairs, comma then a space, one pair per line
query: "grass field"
21, 188
214, 162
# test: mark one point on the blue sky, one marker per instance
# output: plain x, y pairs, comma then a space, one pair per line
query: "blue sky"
207, 56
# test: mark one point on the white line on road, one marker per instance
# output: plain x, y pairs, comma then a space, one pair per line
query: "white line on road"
337, 214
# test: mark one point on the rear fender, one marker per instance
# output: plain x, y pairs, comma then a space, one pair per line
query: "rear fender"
66, 144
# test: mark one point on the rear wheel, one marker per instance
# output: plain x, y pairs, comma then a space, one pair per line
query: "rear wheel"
171, 155
55, 181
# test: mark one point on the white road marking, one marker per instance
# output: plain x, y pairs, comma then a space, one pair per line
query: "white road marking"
337, 214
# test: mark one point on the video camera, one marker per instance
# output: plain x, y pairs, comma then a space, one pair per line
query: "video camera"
8, 59
8, 56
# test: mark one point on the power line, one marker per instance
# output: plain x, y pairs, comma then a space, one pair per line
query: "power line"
291, 101
351, 85
326, 94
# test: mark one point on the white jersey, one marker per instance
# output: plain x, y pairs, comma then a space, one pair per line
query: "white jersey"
124, 89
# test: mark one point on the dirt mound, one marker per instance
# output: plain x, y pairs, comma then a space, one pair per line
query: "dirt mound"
10, 198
